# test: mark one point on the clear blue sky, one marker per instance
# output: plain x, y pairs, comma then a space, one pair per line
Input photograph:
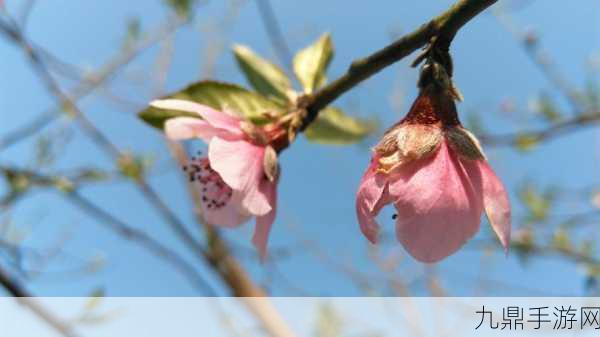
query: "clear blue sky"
318, 182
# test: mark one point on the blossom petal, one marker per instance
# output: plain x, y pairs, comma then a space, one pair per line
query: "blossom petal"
231, 215
265, 222
439, 204
240, 164
188, 127
370, 198
496, 204
213, 117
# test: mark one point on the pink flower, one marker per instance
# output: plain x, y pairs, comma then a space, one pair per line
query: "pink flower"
436, 175
238, 179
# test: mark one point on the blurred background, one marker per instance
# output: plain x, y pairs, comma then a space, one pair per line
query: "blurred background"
72, 188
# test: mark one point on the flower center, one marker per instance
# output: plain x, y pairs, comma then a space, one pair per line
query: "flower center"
433, 106
215, 193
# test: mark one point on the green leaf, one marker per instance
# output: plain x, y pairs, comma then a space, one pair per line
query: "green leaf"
221, 96
310, 64
264, 76
333, 126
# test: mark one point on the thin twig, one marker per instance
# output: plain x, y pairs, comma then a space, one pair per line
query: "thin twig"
102, 140
26, 299
90, 82
145, 240
536, 136
274, 33
531, 47
118, 226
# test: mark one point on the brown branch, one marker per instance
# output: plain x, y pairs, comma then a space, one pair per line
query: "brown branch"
536, 136
146, 241
444, 27
69, 190
23, 297
102, 140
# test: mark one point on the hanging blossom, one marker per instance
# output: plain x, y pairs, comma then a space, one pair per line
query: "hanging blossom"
435, 174
238, 179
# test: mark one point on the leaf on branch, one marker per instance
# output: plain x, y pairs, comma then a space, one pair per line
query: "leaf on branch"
523, 243
538, 203
592, 95
561, 240
134, 166
333, 126
310, 64
524, 142
264, 76
183, 8
133, 32
221, 96
547, 108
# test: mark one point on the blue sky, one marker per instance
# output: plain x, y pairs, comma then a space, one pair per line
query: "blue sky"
318, 182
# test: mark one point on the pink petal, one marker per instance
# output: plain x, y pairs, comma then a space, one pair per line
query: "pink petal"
240, 164
188, 127
265, 222
496, 204
231, 215
371, 197
439, 204
213, 117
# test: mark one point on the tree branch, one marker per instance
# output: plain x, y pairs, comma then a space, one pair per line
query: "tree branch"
24, 298
444, 27
553, 131
69, 187
89, 83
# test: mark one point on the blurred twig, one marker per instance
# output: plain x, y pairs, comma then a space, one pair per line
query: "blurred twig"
530, 43
274, 33
90, 82
145, 240
536, 136
69, 190
26, 299
102, 141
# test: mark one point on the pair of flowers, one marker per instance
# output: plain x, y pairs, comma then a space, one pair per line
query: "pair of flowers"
428, 166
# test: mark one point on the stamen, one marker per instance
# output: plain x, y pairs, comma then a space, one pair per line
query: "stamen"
215, 194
